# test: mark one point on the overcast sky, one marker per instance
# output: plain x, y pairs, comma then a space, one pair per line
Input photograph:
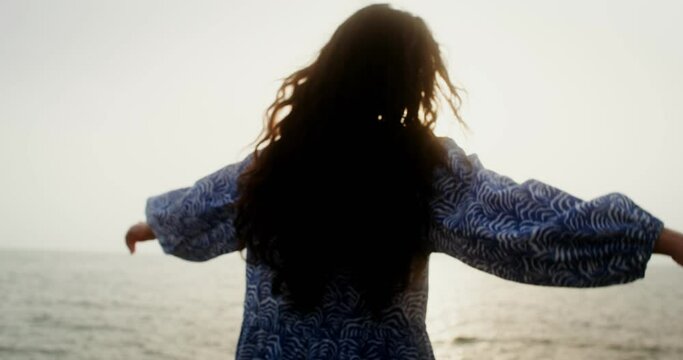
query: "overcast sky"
104, 103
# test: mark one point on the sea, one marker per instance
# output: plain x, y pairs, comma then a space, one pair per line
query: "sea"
89, 305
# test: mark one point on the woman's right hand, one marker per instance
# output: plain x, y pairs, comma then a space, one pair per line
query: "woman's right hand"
670, 243
138, 232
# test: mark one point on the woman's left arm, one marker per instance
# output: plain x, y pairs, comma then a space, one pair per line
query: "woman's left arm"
196, 223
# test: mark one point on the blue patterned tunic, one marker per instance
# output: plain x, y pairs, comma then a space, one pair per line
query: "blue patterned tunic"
529, 232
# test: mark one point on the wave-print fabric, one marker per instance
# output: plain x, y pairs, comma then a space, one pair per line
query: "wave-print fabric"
529, 232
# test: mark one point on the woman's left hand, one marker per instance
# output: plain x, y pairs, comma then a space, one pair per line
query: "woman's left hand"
138, 232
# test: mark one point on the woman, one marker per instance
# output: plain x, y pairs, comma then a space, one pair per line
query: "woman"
340, 209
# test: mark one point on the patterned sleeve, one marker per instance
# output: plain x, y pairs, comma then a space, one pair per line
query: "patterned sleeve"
534, 233
196, 223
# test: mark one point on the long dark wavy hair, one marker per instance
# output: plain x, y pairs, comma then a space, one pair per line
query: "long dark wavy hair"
341, 177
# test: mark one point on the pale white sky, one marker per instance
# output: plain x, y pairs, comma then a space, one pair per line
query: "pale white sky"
104, 103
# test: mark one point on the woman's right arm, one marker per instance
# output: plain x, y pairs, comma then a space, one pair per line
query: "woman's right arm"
534, 233
670, 243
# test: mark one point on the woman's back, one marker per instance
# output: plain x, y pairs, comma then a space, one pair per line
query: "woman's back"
341, 326
348, 138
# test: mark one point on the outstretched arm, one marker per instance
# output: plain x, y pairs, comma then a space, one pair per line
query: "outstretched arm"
194, 223
534, 233
670, 243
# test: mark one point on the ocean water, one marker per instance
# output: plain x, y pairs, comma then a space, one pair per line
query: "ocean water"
79, 305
